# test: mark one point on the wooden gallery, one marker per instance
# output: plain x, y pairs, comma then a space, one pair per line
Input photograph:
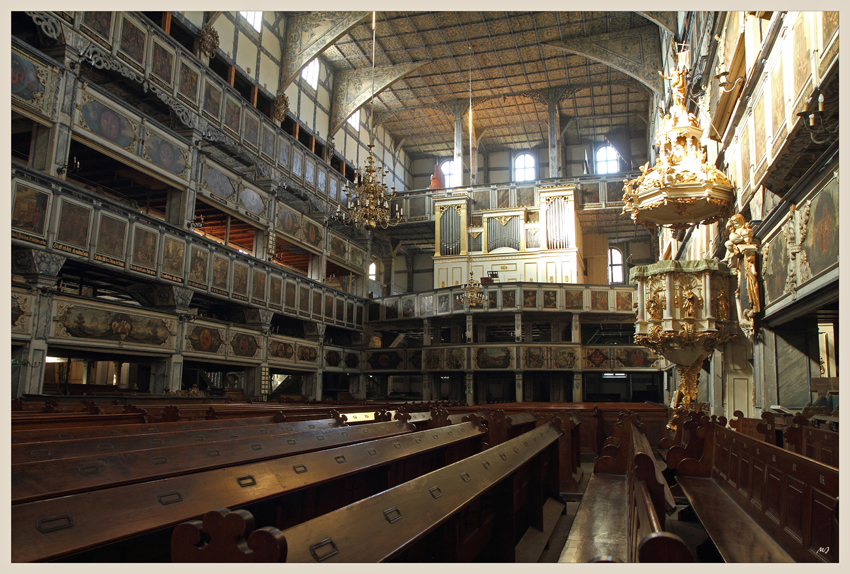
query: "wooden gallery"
489, 286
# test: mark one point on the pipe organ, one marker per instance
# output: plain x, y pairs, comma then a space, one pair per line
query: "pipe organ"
450, 232
557, 223
503, 232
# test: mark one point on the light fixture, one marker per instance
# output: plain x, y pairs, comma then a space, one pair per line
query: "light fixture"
814, 123
371, 201
473, 292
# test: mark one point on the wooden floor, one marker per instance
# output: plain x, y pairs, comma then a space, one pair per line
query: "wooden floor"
692, 533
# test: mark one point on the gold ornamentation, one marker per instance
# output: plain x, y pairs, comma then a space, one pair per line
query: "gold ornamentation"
475, 234
281, 106
653, 308
721, 304
690, 302
455, 206
504, 219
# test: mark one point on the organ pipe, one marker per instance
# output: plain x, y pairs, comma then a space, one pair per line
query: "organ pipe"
557, 228
450, 232
503, 232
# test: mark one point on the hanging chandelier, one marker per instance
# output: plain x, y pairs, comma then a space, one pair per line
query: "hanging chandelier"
370, 204
473, 292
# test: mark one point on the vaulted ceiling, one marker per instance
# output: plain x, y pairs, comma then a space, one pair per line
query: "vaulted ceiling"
517, 63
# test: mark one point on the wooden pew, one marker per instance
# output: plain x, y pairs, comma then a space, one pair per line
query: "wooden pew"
38, 480
763, 429
28, 421
111, 520
759, 502
458, 513
815, 443
622, 513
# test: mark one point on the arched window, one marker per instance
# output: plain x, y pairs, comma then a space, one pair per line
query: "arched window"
373, 271
524, 168
311, 73
615, 266
451, 174
607, 160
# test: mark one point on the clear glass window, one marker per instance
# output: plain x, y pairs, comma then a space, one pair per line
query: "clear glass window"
524, 167
255, 19
451, 175
607, 160
615, 266
311, 73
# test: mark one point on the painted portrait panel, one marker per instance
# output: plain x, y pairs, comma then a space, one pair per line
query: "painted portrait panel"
529, 298
443, 303
426, 304
589, 193
349, 312
503, 198
99, 23
480, 200
310, 172
232, 114
297, 164
339, 310
252, 201
322, 181
624, 300
333, 188
212, 100
550, 299
574, 299
317, 303
829, 23
164, 154
74, 222
162, 63
307, 354
534, 357
759, 130
221, 269
457, 301
144, 247
329, 307
312, 233
357, 257
417, 208
112, 236
289, 295
251, 131
455, 358
26, 83
187, 83
432, 359
391, 309
802, 65
275, 290
596, 358
525, 197
281, 350
218, 183
614, 192
240, 279
173, 252
288, 221
336, 247
133, 41
509, 299
493, 357
634, 358
268, 142
492, 299
563, 358
283, 153
599, 300
106, 325
244, 345
29, 214
304, 301
198, 265
821, 242
258, 285
107, 123
775, 268
408, 307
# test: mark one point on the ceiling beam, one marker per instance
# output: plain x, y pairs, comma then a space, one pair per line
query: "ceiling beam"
635, 52
666, 20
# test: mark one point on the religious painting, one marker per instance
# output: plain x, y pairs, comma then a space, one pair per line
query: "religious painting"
232, 114
455, 358
29, 213
218, 183
288, 221
317, 304
624, 300
443, 304
352, 360
198, 266
333, 188
775, 267
244, 345
275, 291
107, 123
187, 83
635, 358
304, 301
596, 358
283, 153
503, 198
297, 164
221, 270
550, 299
374, 310
252, 201
599, 300
408, 307
614, 192
802, 62
133, 41
534, 357
509, 299
74, 221
173, 252
384, 360
312, 233
251, 131
258, 285
240, 281
336, 247
111, 238
563, 358
426, 304
589, 193
212, 100
481, 200
492, 299
281, 350
333, 358
457, 301
391, 309
494, 357
417, 208
414, 359
289, 295
308, 354
205, 339
310, 172
322, 184
162, 63
164, 154
529, 299
432, 359
357, 257
25, 81
525, 197
268, 142
85, 322
821, 242
574, 299
99, 22
329, 307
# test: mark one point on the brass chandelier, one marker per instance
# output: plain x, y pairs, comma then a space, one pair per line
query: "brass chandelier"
371, 204
473, 292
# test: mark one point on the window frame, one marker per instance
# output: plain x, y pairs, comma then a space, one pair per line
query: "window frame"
258, 27
356, 123
307, 71
612, 265
525, 168
373, 271
449, 179
607, 161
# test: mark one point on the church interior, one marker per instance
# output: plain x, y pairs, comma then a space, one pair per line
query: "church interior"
496, 286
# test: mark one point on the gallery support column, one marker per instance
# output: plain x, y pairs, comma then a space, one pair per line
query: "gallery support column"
577, 388
469, 380
519, 387
427, 386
